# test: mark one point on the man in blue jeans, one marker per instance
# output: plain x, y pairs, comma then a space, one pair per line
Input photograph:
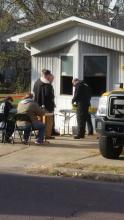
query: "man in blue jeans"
30, 107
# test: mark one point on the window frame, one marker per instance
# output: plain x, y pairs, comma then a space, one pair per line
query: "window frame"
60, 57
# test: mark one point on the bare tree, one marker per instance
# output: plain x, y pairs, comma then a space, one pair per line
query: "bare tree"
18, 16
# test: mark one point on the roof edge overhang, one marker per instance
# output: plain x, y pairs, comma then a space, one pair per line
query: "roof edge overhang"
42, 32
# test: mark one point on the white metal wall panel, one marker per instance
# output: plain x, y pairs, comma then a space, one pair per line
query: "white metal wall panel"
54, 41
100, 38
114, 69
121, 68
81, 33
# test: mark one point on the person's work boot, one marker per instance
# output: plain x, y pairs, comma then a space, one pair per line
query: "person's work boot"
90, 133
55, 133
51, 137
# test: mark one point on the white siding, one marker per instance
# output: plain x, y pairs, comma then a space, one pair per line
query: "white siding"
100, 38
121, 68
82, 33
55, 41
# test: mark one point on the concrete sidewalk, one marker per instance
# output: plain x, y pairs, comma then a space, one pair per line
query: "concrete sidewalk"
62, 156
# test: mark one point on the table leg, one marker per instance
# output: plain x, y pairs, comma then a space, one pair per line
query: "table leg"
64, 122
68, 122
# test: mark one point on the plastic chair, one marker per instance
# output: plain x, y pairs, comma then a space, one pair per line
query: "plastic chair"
23, 118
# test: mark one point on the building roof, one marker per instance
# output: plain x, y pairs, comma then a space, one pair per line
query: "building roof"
59, 26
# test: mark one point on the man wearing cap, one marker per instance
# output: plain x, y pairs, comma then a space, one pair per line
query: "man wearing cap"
5, 108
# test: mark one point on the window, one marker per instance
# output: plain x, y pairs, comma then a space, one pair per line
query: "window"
95, 72
66, 75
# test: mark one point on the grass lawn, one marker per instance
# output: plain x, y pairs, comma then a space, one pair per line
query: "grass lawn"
16, 97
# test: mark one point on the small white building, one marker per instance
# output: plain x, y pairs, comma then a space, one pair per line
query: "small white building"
75, 47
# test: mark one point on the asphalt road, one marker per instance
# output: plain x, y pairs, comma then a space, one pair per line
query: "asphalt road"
49, 198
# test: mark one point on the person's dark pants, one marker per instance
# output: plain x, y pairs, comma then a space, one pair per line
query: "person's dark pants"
53, 127
89, 124
10, 128
82, 114
27, 131
54, 132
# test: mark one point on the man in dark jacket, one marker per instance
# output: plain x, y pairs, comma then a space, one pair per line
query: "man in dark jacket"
82, 98
44, 92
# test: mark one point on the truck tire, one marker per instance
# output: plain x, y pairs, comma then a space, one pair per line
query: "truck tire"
109, 148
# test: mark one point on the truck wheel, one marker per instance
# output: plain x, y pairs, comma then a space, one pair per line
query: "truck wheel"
109, 148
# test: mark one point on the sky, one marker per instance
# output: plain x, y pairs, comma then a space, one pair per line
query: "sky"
112, 4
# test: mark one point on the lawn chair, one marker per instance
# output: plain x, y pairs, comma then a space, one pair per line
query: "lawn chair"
23, 118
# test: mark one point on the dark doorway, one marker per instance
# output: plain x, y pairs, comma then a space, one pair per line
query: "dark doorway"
95, 73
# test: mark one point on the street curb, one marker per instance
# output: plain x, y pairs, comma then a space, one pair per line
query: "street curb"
75, 173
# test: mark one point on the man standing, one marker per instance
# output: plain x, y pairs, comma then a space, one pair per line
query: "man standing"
82, 98
44, 92
44, 96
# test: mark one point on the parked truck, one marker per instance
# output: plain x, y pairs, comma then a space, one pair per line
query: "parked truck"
110, 123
